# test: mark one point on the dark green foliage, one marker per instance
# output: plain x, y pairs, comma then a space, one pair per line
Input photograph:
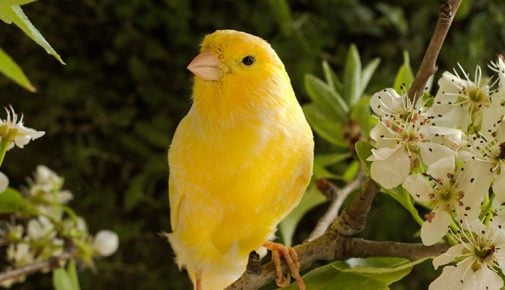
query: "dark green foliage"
110, 112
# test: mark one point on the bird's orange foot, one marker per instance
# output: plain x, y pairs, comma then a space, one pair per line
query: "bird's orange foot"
291, 258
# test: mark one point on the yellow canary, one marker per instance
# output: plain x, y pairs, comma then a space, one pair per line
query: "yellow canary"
239, 161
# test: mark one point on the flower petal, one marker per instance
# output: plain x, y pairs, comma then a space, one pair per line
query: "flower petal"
432, 152
488, 279
385, 102
4, 182
393, 170
450, 279
441, 168
447, 257
433, 231
417, 185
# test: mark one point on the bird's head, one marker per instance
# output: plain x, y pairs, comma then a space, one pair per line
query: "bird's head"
235, 64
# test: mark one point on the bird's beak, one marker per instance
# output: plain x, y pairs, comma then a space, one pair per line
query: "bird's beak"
206, 66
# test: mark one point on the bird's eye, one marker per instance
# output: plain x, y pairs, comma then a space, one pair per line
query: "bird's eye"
248, 60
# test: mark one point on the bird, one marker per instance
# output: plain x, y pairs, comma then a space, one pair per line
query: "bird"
239, 161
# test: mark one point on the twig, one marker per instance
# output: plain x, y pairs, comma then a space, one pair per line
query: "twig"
53, 263
428, 64
353, 219
339, 197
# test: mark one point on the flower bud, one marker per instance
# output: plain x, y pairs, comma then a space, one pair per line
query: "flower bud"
106, 243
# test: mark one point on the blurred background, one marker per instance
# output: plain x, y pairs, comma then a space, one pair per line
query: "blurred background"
109, 114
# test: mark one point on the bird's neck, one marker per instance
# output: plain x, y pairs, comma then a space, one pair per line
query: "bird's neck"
216, 106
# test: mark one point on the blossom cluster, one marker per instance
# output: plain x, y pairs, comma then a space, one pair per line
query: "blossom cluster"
448, 152
42, 226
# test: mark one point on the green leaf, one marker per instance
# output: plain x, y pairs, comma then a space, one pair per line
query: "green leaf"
404, 198
332, 158
358, 274
328, 101
352, 76
394, 14
464, 9
364, 150
323, 160
62, 280
11, 200
72, 273
14, 14
351, 171
331, 78
404, 76
287, 227
6, 3
328, 129
361, 115
11, 70
367, 74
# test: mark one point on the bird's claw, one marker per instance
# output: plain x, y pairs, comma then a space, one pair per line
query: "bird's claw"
291, 258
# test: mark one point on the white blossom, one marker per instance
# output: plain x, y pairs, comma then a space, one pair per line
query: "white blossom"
447, 190
461, 101
20, 254
40, 229
4, 182
485, 154
106, 243
477, 258
403, 139
13, 130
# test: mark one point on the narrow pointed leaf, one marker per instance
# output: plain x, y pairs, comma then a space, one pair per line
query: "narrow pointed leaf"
11, 70
328, 129
352, 76
328, 101
72, 273
18, 17
361, 115
367, 73
331, 78
61, 280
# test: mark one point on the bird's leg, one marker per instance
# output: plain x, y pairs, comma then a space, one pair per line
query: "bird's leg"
198, 280
291, 258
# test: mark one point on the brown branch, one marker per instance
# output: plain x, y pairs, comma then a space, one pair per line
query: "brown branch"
428, 64
331, 246
353, 219
51, 264
338, 198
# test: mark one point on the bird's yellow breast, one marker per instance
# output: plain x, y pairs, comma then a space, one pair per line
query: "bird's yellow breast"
231, 184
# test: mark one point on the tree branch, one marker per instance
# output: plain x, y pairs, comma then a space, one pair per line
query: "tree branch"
353, 219
338, 198
428, 64
53, 263
332, 246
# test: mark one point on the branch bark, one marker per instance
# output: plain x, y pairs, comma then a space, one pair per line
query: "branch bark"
51, 264
332, 246
339, 196
428, 64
